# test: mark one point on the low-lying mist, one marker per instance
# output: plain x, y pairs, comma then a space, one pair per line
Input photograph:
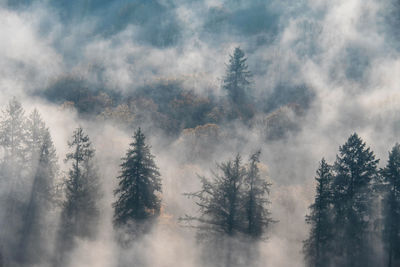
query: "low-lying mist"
317, 73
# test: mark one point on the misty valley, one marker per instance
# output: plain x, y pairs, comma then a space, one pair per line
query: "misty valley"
221, 133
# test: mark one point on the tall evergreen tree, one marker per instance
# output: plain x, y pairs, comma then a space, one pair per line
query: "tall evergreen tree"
34, 137
355, 171
139, 185
317, 247
256, 191
237, 77
33, 248
391, 207
12, 138
80, 211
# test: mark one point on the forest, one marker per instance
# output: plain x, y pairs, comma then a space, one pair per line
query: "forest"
219, 133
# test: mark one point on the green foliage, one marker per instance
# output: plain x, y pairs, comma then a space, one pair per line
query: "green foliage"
80, 211
256, 191
12, 137
237, 77
139, 184
349, 199
318, 245
391, 206
234, 201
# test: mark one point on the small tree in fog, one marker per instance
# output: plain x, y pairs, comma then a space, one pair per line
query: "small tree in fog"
139, 184
391, 207
34, 137
256, 191
317, 247
33, 243
237, 77
80, 211
12, 139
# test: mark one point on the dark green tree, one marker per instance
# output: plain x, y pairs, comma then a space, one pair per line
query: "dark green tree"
80, 210
256, 201
237, 78
139, 185
317, 247
391, 207
355, 172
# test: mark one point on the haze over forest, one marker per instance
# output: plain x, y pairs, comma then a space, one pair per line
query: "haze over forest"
219, 104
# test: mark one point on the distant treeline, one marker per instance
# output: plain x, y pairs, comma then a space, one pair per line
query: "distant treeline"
172, 106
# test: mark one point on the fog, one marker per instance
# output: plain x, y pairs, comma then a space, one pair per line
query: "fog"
338, 60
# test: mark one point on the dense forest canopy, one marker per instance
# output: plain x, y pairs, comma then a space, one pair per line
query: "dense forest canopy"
199, 133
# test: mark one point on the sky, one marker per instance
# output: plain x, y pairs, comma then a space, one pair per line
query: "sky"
341, 57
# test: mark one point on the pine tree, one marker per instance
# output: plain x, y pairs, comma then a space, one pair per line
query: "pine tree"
12, 138
139, 185
256, 199
317, 247
80, 211
35, 230
391, 207
34, 135
237, 77
355, 171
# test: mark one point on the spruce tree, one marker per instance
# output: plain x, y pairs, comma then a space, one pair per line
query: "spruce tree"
355, 171
237, 77
80, 210
12, 181
34, 136
139, 185
256, 191
317, 247
391, 207
12, 140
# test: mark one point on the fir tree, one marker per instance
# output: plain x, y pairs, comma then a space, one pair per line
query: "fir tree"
256, 199
139, 185
34, 136
237, 77
391, 207
80, 211
12, 139
355, 171
317, 247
